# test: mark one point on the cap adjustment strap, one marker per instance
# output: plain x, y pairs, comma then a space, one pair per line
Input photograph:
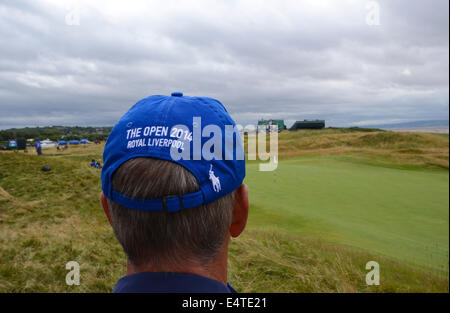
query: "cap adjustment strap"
170, 203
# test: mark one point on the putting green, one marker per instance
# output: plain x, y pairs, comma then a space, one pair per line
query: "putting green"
399, 213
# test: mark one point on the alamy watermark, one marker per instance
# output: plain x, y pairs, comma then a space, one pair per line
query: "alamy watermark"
73, 276
373, 13
72, 17
373, 276
209, 142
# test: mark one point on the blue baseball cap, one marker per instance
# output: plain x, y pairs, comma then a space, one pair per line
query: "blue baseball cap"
194, 132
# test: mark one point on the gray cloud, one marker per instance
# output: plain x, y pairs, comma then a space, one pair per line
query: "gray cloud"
283, 59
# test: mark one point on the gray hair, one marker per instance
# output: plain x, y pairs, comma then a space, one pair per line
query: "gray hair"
160, 238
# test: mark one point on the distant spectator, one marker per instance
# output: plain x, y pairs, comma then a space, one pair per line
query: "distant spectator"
95, 164
38, 147
61, 147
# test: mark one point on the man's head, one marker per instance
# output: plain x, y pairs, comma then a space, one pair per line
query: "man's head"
173, 214
171, 240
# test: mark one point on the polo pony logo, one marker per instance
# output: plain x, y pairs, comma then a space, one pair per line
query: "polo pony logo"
214, 180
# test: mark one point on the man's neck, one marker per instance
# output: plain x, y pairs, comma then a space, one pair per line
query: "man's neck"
216, 270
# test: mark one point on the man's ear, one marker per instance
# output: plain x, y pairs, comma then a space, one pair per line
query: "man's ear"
105, 206
240, 211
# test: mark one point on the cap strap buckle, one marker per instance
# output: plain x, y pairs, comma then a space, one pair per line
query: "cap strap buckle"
164, 204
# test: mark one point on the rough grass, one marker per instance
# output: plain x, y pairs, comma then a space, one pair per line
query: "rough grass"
50, 218
265, 260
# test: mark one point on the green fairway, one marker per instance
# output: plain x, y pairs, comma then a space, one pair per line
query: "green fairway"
395, 212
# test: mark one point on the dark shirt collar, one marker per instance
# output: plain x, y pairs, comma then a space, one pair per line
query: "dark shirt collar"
170, 283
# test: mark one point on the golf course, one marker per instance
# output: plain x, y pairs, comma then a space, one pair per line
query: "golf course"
338, 199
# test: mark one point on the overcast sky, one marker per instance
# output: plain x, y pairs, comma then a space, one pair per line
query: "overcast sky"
86, 62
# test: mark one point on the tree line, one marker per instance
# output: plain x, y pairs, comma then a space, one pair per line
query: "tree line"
56, 133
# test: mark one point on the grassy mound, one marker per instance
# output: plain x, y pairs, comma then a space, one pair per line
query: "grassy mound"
414, 149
